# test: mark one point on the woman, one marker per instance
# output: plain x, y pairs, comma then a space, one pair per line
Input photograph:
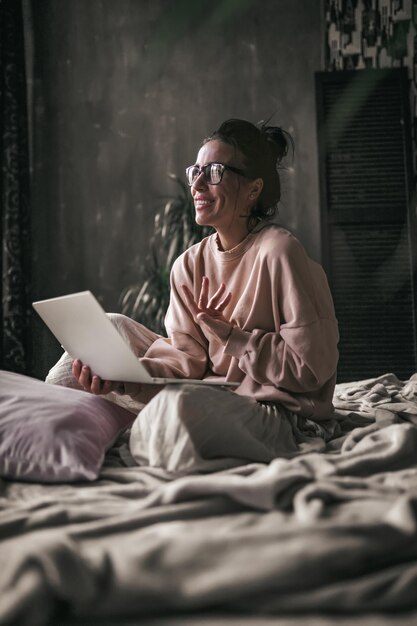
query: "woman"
247, 304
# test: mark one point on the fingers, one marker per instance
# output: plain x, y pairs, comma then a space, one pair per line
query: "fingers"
82, 374
76, 368
99, 386
223, 304
204, 293
190, 300
85, 377
204, 303
92, 384
215, 301
215, 298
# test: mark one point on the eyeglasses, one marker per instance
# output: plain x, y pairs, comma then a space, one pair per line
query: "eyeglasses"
213, 172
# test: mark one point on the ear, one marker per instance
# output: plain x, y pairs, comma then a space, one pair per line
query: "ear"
255, 189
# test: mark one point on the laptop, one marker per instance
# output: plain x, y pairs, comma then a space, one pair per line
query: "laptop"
82, 327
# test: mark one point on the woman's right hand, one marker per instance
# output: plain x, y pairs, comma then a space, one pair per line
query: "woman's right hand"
96, 385
92, 383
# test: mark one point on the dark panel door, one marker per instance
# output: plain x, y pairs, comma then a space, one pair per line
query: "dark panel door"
368, 218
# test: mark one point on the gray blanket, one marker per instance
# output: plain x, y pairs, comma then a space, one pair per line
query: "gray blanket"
324, 531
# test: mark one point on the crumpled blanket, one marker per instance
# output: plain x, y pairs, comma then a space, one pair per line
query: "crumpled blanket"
331, 531
368, 397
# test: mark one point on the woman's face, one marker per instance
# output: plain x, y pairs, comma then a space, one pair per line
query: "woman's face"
225, 206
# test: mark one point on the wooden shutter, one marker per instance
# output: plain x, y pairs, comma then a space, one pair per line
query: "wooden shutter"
368, 218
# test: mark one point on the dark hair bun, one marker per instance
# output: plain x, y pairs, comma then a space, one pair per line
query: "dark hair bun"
279, 141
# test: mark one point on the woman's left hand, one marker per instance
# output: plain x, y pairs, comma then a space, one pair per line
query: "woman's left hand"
208, 312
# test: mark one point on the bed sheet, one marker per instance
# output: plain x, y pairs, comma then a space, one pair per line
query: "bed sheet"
332, 531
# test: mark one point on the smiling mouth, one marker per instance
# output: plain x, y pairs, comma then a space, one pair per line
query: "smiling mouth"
200, 205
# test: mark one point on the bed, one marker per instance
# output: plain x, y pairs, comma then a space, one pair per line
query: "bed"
325, 537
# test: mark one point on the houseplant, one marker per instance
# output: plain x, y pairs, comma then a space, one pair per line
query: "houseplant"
175, 231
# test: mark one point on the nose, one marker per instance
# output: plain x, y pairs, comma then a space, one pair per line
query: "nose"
199, 182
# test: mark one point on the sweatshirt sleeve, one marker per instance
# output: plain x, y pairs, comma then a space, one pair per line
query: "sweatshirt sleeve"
185, 353
300, 354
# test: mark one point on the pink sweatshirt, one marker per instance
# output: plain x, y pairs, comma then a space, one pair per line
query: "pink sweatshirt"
283, 347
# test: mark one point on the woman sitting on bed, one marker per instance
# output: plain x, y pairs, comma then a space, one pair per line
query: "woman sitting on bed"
248, 305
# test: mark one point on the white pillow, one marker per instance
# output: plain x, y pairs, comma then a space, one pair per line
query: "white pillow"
52, 434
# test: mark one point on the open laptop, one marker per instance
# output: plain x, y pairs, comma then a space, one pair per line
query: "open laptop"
82, 327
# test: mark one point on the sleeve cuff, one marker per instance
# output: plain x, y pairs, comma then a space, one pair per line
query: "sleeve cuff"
237, 342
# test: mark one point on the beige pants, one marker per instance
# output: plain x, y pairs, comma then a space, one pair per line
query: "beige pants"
199, 428
192, 427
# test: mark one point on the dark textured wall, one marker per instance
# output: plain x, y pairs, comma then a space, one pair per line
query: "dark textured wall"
123, 92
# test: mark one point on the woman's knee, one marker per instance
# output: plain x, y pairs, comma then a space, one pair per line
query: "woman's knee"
138, 336
191, 399
61, 373
119, 319
158, 436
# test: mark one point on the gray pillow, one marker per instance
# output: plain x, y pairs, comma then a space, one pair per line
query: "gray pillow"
52, 434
